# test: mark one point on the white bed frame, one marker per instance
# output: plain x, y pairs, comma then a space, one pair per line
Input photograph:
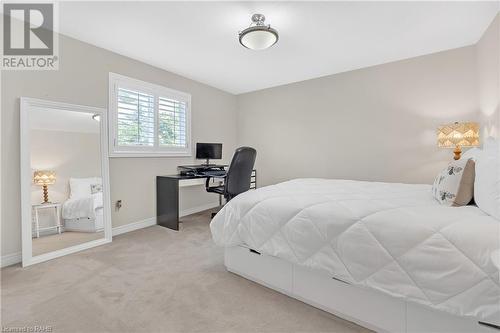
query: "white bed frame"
86, 224
368, 308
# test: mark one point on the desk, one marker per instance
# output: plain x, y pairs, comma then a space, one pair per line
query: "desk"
167, 196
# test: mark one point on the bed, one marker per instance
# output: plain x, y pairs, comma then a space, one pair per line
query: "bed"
387, 256
83, 211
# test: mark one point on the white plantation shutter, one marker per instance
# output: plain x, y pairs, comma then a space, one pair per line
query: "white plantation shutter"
148, 120
171, 123
136, 118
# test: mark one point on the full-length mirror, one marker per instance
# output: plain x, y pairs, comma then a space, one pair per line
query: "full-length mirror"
65, 179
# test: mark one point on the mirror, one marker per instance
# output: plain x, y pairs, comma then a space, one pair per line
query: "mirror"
64, 176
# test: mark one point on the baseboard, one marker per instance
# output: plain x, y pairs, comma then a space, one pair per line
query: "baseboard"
14, 258
134, 226
11, 259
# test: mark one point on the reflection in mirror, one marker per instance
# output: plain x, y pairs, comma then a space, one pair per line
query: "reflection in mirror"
67, 187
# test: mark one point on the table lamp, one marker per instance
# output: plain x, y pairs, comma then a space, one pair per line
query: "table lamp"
458, 135
44, 178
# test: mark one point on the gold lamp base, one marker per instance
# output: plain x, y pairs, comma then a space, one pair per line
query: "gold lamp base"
457, 152
45, 194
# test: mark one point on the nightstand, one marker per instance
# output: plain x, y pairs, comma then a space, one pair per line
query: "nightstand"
54, 206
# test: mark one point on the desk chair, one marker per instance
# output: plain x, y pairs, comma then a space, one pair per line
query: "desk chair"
237, 178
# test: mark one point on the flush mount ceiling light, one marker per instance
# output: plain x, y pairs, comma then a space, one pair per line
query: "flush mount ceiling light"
258, 36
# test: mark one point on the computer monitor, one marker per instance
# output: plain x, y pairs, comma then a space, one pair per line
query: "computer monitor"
209, 151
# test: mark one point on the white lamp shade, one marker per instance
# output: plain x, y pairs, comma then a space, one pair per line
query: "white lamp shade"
258, 39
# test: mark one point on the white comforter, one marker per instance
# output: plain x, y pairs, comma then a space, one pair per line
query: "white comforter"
391, 237
83, 207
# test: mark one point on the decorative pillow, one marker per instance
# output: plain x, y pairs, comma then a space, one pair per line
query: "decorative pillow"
454, 186
81, 187
95, 188
487, 185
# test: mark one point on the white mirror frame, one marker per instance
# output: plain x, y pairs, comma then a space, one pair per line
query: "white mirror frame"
26, 105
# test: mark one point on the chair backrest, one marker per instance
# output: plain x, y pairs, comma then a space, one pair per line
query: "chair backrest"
240, 172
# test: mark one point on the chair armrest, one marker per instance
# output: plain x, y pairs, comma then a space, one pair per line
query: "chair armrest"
207, 182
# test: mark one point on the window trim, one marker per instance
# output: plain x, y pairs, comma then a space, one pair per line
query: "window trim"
116, 80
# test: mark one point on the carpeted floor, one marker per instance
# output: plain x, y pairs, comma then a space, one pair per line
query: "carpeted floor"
66, 239
153, 280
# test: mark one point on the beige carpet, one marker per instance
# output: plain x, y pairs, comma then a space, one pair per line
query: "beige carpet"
66, 239
153, 280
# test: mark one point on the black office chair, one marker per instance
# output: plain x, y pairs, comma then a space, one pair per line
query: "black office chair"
237, 178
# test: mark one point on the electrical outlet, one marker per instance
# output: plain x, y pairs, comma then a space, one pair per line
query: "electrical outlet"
118, 205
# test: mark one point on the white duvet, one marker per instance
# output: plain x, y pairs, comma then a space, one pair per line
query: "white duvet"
82, 207
391, 237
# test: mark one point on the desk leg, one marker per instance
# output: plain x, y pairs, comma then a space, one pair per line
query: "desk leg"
167, 202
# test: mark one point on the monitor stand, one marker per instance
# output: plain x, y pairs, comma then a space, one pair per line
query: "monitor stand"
208, 163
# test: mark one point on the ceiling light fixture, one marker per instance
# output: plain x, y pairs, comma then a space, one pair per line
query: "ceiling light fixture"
258, 36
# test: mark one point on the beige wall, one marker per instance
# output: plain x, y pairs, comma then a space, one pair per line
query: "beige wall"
83, 79
69, 154
375, 123
488, 65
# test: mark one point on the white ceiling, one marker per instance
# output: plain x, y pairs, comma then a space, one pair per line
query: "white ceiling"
63, 120
199, 40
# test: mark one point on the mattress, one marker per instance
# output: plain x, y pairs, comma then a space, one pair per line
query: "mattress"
394, 238
82, 207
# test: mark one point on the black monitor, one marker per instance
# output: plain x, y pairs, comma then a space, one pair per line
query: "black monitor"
209, 151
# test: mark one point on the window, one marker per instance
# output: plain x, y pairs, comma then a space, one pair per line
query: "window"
147, 119
135, 118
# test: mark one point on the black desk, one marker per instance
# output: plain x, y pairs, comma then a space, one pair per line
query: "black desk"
167, 197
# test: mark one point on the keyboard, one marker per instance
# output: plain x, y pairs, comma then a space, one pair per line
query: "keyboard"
213, 173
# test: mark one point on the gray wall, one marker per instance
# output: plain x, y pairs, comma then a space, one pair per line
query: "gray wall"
376, 123
69, 154
82, 78
488, 64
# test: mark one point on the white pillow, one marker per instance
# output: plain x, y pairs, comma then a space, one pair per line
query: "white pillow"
82, 187
487, 184
473, 154
454, 186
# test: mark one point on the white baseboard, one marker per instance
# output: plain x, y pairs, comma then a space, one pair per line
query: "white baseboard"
14, 258
11, 259
134, 226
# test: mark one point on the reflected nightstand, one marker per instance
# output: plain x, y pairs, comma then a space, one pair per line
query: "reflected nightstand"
54, 206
